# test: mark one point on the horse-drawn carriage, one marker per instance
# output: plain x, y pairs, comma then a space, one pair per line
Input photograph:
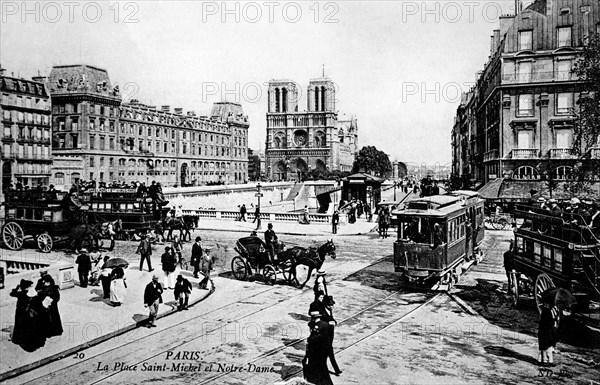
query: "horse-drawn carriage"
43, 221
551, 251
253, 257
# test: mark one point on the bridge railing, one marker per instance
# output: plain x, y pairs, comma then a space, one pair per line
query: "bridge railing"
272, 217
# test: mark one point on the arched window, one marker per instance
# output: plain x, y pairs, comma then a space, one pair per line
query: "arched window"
277, 96
320, 139
323, 95
277, 142
526, 172
284, 95
132, 163
562, 172
317, 92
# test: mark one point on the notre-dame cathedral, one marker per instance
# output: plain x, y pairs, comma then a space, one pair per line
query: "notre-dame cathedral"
316, 138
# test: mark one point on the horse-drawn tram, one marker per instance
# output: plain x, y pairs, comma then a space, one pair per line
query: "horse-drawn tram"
41, 220
439, 238
560, 252
136, 214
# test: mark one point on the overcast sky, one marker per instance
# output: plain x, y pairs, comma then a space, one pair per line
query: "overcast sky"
399, 65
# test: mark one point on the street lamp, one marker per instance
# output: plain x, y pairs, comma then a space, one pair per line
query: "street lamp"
258, 195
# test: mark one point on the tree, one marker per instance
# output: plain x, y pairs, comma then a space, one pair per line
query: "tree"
587, 119
370, 160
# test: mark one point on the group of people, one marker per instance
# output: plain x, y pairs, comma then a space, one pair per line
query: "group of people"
22, 193
355, 209
320, 341
584, 212
37, 317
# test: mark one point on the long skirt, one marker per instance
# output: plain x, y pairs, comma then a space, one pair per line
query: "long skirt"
117, 290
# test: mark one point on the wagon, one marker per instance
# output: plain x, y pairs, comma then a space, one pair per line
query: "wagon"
551, 251
44, 222
253, 257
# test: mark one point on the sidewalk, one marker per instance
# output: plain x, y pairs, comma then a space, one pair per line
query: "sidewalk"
290, 228
87, 319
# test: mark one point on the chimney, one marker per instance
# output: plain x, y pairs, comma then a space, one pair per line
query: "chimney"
492, 45
497, 39
191, 113
165, 108
40, 79
134, 101
153, 108
178, 111
505, 23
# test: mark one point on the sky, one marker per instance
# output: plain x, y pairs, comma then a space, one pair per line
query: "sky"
399, 66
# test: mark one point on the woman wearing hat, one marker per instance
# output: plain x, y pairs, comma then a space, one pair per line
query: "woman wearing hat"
314, 363
20, 332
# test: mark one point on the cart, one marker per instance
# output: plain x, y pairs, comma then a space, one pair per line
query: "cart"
253, 257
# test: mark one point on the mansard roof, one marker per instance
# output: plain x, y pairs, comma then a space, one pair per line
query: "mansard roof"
81, 78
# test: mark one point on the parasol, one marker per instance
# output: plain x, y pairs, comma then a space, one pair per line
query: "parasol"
559, 297
116, 262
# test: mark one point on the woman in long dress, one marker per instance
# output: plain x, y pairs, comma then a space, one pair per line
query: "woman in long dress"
49, 295
315, 362
20, 330
118, 287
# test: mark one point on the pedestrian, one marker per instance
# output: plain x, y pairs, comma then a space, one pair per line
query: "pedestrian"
49, 295
509, 264
547, 336
176, 248
84, 265
368, 212
183, 290
105, 278
205, 267
145, 251
243, 213
320, 284
169, 264
303, 220
326, 313
118, 286
152, 299
335, 221
21, 328
257, 217
196, 256
314, 363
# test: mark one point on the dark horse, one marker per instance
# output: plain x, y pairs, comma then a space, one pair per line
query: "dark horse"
311, 257
184, 226
89, 235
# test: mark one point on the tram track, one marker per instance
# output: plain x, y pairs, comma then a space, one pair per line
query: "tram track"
244, 301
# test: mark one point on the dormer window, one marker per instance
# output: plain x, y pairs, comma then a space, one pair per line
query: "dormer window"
525, 40
565, 11
564, 37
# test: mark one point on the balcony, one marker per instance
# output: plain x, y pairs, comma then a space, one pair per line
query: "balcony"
595, 152
562, 153
520, 153
490, 155
538, 77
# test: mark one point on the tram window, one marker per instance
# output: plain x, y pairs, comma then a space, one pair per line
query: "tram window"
558, 259
537, 252
547, 260
20, 213
123, 206
28, 213
37, 214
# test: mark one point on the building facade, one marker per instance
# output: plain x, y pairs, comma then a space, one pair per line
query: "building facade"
517, 121
314, 139
98, 137
26, 131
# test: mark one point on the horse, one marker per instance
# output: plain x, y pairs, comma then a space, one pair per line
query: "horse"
184, 227
109, 230
83, 233
311, 257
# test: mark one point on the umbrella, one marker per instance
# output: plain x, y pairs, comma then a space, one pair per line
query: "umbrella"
116, 262
559, 297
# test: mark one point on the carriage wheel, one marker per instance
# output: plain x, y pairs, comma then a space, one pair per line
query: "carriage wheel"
239, 268
44, 242
513, 287
542, 283
13, 236
270, 275
286, 271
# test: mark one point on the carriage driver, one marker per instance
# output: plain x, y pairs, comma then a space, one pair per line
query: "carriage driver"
271, 241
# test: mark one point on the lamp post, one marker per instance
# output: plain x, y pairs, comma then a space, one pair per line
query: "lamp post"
258, 195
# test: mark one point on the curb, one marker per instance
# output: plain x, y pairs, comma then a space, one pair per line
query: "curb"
281, 232
60, 355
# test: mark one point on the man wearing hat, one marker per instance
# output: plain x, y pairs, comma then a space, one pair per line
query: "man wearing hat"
145, 251
271, 241
84, 266
555, 210
152, 298
196, 256
325, 314
205, 267
183, 289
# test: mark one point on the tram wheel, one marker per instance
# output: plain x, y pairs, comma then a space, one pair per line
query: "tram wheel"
270, 275
542, 283
239, 268
44, 242
13, 236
